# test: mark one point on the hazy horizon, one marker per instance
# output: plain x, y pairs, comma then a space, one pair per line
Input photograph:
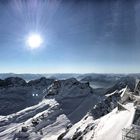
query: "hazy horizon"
68, 73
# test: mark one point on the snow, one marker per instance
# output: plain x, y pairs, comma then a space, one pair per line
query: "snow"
58, 127
14, 124
111, 125
80, 126
121, 91
54, 124
124, 90
69, 103
108, 127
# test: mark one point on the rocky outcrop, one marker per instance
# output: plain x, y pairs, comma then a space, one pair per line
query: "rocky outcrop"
12, 82
108, 104
68, 88
128, 81
41, 82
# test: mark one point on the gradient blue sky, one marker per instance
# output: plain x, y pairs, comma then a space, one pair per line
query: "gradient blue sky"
80, 36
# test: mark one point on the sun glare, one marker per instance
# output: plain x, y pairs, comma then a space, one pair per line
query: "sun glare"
34, 41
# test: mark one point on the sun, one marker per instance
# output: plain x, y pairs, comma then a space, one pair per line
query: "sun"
34, 40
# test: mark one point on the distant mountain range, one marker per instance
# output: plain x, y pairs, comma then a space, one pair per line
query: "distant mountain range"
28, 77
88, 76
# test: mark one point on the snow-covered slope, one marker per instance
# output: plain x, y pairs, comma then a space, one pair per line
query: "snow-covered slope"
108, 127
41, 120
105, 121
70, 110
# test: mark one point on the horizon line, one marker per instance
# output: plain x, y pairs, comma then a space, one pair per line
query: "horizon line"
72, 73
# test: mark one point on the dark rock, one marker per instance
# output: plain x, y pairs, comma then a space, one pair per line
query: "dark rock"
128, 81
24, 129
41, 82
12, 82
104, 107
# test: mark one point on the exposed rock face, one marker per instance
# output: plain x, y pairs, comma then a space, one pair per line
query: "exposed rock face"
108, 104
75, 98
17, 82
68, 88
121, 107
137, 88
41, 82
12, 82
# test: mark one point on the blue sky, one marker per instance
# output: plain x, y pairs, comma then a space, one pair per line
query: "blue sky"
80, 36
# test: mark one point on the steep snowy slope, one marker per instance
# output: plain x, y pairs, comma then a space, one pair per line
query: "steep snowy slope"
99, 124
108, 127
40, 120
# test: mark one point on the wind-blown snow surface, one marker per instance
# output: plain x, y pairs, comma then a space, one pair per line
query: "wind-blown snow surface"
52, 121
108, 127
